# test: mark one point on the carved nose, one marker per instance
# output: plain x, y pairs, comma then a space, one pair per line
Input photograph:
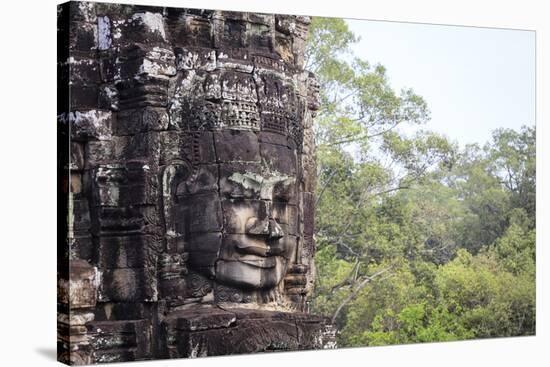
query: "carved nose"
257, 226
269, 228
275, 230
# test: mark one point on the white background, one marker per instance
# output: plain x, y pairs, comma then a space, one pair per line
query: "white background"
28, 205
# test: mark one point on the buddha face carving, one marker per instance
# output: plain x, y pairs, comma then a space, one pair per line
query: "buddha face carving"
240, 218
260, 229
236, 207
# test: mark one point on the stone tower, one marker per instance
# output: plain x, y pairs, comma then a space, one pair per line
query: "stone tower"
186, 170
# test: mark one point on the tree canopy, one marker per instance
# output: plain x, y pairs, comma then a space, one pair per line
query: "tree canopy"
418, 238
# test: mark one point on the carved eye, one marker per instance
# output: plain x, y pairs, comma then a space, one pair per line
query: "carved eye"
236, 193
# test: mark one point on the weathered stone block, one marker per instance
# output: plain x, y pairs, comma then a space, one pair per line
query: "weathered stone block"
270, 330
83, 36
200, 213
203, 250
201, 319
238, 87
83, 247
195, 58
132, 251
203, 179
279, 158
200, 114
268, 63
237, 145
89, 125
260, 37
108, 66
283, 47
200, 286
287, 216
239, 115
196, 147
205, 242
84, 70
80, 291
141, 120
139, 61
83, 11
81, 215
118, 311
84, 97
308, 202
122, 185
308, 249
144, 91
128, 285
190, 29
141, 27
269, 137
75, 181
235, 59
234, 33
172, 270
126, 220
76, 161
120, 341
139, 151
100, 152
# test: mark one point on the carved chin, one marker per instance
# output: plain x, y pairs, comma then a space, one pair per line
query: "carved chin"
264, 273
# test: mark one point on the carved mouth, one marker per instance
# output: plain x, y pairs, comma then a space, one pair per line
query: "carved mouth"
261, 262
260, 249
256, 248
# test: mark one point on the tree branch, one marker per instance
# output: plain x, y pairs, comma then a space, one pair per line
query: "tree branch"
327, 182
352, 138
357, 289
347, 280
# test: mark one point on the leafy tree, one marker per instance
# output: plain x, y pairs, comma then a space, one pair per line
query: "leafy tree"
357, 101
362, 160
418, 239
513, 156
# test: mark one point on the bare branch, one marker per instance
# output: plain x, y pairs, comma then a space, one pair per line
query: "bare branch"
354, 138
342, 99
348, 280
357, 289
328, 181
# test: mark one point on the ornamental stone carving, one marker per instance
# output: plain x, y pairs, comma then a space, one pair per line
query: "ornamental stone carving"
187, 162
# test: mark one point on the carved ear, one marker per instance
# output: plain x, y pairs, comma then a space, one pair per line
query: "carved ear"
172, 175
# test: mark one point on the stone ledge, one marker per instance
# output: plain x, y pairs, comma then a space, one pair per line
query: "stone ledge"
212, 331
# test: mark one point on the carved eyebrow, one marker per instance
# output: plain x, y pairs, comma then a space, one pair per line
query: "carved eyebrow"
256, 182
247, 180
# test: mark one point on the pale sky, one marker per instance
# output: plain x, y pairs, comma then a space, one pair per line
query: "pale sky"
474, 79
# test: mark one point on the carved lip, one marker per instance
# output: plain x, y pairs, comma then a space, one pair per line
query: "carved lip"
259, 249
256, 248
261, 262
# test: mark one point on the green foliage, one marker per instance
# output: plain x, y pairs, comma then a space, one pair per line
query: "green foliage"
418, 239
357, 101
516, 250
513, 156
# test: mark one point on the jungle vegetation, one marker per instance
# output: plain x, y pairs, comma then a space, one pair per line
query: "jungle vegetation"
419, 239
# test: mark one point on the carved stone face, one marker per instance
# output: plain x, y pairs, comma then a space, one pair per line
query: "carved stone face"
241, 225
240, 210
260, 228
